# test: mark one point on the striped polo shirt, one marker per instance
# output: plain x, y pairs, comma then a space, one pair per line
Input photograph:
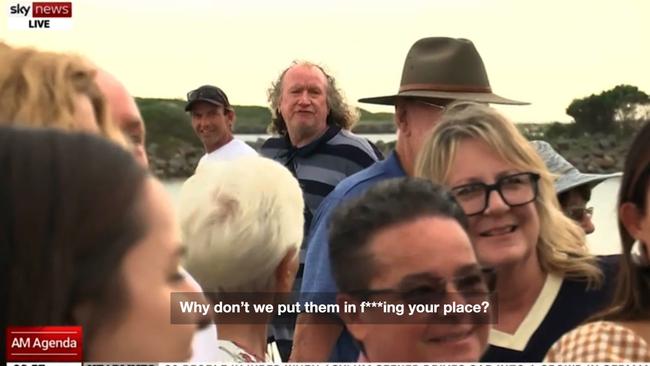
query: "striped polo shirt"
320, 165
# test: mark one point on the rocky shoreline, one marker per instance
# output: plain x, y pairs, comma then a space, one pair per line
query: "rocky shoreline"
592, 154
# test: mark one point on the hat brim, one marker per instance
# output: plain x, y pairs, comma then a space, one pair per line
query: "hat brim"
189, 105
469, 97
570, 181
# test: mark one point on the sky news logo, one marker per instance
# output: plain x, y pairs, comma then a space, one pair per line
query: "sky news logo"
40, 15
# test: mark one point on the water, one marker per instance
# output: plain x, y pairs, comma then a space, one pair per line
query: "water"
604, 240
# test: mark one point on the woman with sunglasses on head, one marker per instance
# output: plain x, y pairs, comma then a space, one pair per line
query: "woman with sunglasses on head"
547, 283
622, 333
573, 188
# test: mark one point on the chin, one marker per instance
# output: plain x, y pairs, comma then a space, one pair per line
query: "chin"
499, 254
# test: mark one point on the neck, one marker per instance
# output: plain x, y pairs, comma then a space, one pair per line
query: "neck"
218, 145
250, 337
300, 138
406, 157
518, 287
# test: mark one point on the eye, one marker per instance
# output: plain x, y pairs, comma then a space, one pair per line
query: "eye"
468, 191
473, 282
177, 275
423, 294
515, 180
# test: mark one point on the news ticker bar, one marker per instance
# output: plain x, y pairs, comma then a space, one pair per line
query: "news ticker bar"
316, 364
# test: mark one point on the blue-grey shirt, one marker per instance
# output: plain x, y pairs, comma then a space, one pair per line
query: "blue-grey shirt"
318, 283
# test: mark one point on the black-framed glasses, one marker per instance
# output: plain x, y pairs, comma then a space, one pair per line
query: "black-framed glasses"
579, 213
515, 190
480, 282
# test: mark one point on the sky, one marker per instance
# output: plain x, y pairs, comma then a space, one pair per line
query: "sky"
544, 52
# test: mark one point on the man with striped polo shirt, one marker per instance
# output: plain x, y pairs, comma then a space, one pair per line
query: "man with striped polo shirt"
313, 121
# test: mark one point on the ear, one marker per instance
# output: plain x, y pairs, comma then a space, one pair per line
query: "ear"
353, 320
631, 219
285, 273
401, 119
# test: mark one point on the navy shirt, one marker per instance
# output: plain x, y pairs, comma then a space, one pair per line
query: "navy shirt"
573, 304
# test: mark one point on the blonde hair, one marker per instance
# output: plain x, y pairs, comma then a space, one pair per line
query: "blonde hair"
39, 89
561, 245
239, 219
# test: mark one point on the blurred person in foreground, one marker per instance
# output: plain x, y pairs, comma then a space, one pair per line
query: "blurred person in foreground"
49, 89
124, 112
242, 222
437, 71
547, 282
88, 238
622, 332
405, 242
573, 188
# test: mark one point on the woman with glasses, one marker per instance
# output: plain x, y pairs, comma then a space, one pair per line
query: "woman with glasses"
622, 333
547, 283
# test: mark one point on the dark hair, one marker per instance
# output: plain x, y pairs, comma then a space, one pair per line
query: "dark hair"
388, 203
584, 191
632, 298
70, 212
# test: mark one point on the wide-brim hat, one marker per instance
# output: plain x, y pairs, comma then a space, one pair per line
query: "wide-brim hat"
569, 176
444, 68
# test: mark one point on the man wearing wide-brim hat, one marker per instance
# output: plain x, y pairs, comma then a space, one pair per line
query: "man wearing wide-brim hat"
573, 188
437, 71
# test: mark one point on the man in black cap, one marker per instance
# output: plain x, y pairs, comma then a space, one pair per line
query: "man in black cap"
437, 71
212, 120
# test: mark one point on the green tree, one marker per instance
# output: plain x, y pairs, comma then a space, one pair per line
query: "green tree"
602, 112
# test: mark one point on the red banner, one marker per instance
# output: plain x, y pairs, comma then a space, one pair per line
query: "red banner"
46, 343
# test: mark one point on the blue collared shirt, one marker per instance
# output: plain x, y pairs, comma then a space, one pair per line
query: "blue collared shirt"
317, 277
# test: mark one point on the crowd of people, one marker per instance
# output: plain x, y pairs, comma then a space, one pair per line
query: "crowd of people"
464, 210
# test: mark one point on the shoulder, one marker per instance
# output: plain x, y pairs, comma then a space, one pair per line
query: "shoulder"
600, 341
274, 146
360, 181
347, 140
243, 147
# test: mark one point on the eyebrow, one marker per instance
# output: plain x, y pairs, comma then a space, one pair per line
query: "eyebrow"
417, 278
475, 180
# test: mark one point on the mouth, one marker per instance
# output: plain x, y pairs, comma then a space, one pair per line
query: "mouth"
454, 337
498, 231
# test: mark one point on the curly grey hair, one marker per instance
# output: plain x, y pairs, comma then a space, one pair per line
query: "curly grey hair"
340, 112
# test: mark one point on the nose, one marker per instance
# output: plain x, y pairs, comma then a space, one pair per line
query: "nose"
495, 203
303, 99
140, 155
587, 225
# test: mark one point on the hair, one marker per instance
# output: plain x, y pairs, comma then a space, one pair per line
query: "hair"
341, 113
389, 203
632, 298
584, 191
239, 219
70, 212
39, 89
560, 246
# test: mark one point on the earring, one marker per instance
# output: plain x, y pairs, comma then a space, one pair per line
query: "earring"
639, 254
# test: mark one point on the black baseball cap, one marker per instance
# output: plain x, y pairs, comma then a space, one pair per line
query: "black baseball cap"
207, 93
